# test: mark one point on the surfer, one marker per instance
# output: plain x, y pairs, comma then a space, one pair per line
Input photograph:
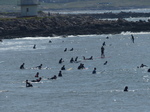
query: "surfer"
34, 47
71, 60
132, 38
76, 59
91, 58
37, 74
54, 77
102, 52
71, 49
81, 66
126, 89
59, 74
142, 65
105, 63
107, 37
28, 84
39, 67
61, 60
65, 50
104, 44
22, 66
63, 67
94, 71
37, 80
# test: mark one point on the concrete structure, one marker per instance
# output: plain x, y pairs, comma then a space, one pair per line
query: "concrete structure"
29, 7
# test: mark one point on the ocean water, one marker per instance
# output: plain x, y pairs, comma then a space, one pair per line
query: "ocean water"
144, 10
77, 90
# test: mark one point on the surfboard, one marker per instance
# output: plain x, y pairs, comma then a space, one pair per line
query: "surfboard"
69, 69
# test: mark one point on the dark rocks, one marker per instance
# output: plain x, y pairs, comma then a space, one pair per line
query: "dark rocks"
66, 25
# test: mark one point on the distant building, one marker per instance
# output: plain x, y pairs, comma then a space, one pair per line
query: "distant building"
29, 7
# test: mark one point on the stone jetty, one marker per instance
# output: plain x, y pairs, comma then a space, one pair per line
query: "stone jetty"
67, 24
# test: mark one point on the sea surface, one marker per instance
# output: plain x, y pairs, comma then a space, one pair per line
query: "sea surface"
77, 90
143, 10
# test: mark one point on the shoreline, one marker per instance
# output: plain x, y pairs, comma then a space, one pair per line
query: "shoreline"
71, 24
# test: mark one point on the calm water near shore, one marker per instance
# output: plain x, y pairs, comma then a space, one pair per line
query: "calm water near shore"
77, 90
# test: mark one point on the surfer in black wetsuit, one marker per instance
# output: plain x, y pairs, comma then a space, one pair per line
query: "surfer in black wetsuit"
22, 66
61, 60
54, 77
105, 63
126, 89
59, 74
81, 66
34, 47
132, 38
63, 67
71, 60
65, 50
71, 49
37, 80
76, 59
104, 44
94, 71
102, 52
39, 67
28, 84
37, 74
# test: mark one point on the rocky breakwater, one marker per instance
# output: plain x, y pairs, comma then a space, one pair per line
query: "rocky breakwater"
66, 25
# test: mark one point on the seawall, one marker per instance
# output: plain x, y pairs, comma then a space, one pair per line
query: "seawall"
66, 25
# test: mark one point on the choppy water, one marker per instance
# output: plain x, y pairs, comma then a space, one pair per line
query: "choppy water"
144, 10
77, 90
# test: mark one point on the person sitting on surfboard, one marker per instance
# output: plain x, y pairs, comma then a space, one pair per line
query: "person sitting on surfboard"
94, 71
126, 89
76, 59
65, 50
34, 47
61, 61
59, 74
28, 84
81, 66
63, 67
22, 66
37, 74
71, 60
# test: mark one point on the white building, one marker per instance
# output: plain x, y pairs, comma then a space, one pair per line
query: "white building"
29, 7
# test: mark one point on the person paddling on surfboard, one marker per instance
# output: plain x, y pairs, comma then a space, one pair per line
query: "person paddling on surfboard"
40, 66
